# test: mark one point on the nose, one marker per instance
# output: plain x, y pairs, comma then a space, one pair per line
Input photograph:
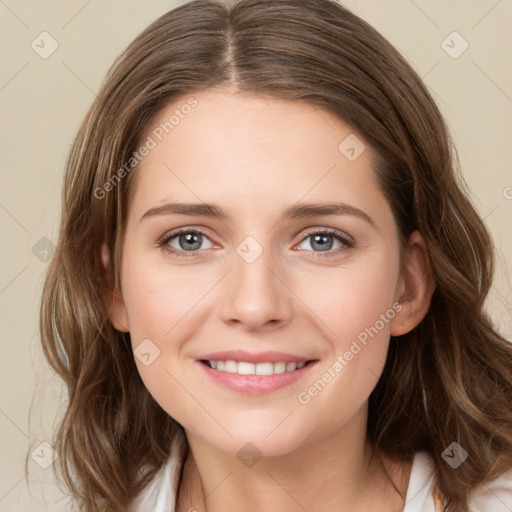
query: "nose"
255, 295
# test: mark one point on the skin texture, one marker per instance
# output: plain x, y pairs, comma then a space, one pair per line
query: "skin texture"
254, 157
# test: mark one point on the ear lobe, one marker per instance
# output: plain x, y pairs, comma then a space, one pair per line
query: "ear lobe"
415, 288
111, 295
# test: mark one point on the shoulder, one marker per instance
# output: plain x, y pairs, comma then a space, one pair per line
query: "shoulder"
495, 496
160, 494
424, 496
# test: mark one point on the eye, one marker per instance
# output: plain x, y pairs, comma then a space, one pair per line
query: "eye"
188, 242
182, 241
326, 240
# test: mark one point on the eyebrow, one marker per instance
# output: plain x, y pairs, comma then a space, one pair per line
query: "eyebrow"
297, 211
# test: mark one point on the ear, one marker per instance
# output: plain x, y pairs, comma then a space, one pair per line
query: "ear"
112, 298
415, 287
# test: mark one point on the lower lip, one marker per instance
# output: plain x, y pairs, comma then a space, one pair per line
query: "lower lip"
256, 384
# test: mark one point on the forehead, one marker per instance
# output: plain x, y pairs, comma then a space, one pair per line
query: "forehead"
252, 151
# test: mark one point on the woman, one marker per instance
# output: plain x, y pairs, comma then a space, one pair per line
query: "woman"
268, 286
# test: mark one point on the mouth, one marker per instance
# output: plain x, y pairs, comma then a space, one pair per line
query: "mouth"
248, 368
254, 373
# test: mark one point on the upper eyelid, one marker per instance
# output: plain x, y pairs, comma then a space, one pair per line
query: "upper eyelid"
176, 232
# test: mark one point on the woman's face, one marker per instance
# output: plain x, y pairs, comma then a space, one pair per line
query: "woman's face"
288, 253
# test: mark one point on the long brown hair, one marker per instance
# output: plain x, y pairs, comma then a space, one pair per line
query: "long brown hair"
449, 380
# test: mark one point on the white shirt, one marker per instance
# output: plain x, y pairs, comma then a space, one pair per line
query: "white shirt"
160, 494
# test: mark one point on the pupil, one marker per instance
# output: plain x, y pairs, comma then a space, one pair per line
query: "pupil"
190, 241
322, 242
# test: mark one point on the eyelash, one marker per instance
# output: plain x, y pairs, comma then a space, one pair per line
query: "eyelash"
348, 242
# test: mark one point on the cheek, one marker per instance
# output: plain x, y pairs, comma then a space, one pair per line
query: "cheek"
163, 304
159, 297
355, 306
352, 299
159, 303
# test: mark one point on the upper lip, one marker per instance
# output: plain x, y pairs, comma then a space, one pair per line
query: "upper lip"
253, 357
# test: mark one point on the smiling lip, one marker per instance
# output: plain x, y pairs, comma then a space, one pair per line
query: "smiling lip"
253, 357
255, 384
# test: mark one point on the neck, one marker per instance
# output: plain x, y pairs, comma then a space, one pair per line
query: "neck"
334, 472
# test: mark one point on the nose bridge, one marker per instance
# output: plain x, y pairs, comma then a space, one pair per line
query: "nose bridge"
255, 296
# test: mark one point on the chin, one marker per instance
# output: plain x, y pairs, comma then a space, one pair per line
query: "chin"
260, 442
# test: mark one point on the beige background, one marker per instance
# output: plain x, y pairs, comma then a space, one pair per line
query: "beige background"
42, 102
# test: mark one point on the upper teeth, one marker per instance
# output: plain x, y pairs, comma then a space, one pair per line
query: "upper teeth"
245, 368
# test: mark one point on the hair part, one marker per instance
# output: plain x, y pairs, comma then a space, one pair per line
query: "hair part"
447, 380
